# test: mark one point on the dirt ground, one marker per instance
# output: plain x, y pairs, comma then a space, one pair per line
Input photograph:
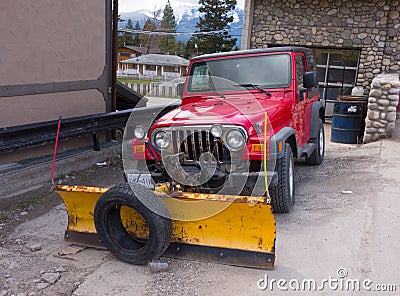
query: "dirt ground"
345, 217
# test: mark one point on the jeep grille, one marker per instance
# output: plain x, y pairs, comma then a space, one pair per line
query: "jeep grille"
195, 142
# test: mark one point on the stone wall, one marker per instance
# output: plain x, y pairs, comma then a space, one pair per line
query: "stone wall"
382, 103
371, 26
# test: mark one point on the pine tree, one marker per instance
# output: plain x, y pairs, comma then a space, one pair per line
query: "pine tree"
216, 16
126, 38
167, 43
149, 41
128, 35
136, 41
190, 49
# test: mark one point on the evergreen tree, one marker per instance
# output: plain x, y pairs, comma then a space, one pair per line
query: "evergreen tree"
167, 43
216, 16
136, 41
190, 49
149, 41
126, 38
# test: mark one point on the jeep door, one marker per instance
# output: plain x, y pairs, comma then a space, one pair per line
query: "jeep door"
300, 119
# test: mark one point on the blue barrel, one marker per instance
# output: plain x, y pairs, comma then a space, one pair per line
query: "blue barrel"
348, 121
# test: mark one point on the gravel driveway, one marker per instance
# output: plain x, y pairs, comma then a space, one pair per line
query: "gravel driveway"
345, 225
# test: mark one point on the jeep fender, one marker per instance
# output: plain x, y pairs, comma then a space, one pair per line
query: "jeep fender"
286, 134
317, 113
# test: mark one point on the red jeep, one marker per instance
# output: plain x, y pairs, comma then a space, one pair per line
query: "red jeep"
242, 113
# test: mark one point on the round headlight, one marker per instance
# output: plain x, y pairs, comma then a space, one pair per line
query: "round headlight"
235, 139
139, 132
162, 139
216, 131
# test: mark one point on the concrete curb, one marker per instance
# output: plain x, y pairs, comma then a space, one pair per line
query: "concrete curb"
36, 176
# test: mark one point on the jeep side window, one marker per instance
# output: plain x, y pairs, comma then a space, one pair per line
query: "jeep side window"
299, 72
200, 78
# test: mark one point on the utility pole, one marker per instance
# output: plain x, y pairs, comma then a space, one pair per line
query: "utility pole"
114, 57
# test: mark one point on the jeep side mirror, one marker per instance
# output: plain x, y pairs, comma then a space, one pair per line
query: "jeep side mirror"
303, 90
180, 89
310, 79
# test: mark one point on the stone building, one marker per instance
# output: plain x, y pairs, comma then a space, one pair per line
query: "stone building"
354, 40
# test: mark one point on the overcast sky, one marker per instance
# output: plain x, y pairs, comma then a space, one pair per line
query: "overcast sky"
134, 5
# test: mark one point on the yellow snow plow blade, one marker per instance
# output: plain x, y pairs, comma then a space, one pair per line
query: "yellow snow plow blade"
241, 234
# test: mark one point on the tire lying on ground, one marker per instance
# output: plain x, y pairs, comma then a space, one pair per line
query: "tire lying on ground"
113, 233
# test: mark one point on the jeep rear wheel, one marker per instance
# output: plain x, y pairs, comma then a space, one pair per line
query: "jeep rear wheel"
317, 156
282, 196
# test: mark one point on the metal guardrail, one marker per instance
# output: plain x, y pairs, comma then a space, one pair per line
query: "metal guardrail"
23, 136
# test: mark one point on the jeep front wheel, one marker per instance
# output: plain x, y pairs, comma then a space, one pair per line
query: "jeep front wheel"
282, 196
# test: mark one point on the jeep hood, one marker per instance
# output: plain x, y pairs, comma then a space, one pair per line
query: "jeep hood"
243, 111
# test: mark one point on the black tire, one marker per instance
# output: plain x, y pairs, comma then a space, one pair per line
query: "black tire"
317, 156
112, 233
282, 196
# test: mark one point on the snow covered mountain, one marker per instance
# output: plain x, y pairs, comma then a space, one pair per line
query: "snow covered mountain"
186, 17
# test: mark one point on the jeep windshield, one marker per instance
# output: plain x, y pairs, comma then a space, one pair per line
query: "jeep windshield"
231, 73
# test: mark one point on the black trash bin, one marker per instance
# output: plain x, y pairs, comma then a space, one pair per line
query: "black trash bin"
348, 121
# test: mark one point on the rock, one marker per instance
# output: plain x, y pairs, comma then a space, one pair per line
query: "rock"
60, 269
372, 106
324, 3
373, 115
381, 130
367, 138
42, 286
394, 14
391, 109
35, 247
381, 108
375, 92
377, 124
50, 277
3, 293
383, 102
383, 115
386, 86
368, 123
21, 294
376, 137
371, 100
32, 293
391, 116
362, 35
390, 129
24, 213
371, 130
278, 12
376, 84
393, 97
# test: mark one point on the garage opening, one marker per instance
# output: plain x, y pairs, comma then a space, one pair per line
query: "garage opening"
334, 67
